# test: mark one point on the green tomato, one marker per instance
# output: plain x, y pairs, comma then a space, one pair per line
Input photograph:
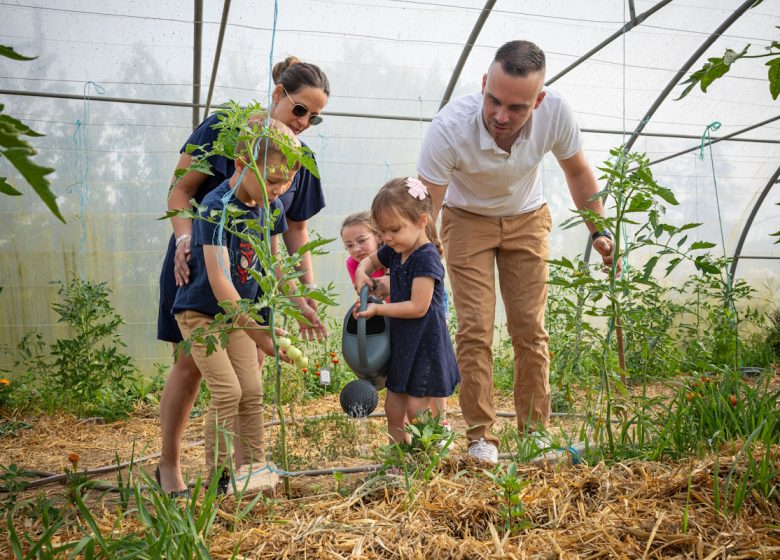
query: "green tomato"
302, 362
294, 353
283, 342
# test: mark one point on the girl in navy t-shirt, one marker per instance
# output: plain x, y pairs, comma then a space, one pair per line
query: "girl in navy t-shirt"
422, 361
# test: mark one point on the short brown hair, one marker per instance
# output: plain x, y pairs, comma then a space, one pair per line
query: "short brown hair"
520, 58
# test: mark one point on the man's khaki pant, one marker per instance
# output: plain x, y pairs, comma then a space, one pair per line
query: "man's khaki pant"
519, 246
233, 377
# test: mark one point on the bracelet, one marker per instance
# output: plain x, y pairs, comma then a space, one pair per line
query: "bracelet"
596, 234
182, 237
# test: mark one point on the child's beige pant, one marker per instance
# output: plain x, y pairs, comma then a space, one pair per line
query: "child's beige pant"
232, 375
518, 246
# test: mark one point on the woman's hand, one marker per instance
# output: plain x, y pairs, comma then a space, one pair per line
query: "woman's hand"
313, 328
181, 259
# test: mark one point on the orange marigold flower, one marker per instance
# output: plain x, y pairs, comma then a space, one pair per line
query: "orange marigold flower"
304, 370
74, 457
317, 365
733, 400
552, 354
332, 354
4, 381
317, 373
335, 360
689, 396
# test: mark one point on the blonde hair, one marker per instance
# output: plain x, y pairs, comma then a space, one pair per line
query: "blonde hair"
362, 218
394, 199
266, 145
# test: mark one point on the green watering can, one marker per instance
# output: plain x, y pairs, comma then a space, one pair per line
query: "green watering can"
365, 343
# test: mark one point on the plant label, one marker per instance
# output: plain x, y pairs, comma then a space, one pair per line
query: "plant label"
324, 376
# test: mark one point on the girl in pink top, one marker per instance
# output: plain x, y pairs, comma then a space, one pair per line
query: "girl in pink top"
360, 240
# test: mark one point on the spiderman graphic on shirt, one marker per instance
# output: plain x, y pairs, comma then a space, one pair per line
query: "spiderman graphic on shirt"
245, 262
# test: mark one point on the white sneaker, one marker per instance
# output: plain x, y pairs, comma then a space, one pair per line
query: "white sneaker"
484, 451
541, 440
255, 478
446, 436
533, 444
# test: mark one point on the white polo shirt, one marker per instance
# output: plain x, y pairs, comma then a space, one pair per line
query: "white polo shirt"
482, 178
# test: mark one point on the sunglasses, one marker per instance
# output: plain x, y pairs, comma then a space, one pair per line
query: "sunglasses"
302, 110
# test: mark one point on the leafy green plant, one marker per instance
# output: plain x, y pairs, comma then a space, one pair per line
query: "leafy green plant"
15, 149
86, 373
717, 67
421, 458
634, 199
510, 487
95, 376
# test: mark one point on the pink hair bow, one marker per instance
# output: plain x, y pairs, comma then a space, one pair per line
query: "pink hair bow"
416, 188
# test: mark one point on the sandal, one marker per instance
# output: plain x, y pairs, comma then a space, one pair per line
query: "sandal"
173, 493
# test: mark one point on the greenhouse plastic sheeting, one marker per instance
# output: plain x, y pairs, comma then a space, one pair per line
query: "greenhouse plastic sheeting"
392, 58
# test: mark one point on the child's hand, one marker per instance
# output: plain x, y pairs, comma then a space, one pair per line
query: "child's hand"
363, 279
371, 311
381, 288
265, 343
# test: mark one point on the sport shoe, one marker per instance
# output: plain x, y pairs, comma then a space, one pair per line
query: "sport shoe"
484, 451
222, 483
541, 440
255, 478
533, 444
446, 435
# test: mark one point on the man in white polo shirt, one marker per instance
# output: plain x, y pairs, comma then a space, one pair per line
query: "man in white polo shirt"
480, 159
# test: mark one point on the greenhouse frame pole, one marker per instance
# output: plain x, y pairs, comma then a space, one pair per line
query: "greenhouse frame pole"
684, 68
676, 79
217, 56
196, 56
743, 236
714, 140
634, 22
464, 54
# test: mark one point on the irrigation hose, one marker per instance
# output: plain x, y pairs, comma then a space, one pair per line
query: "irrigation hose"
51, 478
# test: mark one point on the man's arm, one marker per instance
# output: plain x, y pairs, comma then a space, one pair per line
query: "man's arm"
582, 186
437, 193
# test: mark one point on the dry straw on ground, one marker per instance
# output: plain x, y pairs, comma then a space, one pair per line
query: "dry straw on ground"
629, 510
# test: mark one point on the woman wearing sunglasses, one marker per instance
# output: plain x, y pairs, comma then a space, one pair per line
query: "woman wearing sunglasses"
300, 93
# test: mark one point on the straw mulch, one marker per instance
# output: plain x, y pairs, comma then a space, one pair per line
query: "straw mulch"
629, 510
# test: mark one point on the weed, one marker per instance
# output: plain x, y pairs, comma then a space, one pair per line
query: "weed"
420, 459
510, 487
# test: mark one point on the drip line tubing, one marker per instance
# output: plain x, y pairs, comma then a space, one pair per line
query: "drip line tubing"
46, 478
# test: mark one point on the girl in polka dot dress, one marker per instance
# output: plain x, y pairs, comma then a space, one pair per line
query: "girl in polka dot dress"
422, 361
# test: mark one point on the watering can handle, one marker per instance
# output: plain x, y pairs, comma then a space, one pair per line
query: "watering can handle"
361, 328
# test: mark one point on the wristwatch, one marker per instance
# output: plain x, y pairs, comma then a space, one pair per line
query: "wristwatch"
596, 234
